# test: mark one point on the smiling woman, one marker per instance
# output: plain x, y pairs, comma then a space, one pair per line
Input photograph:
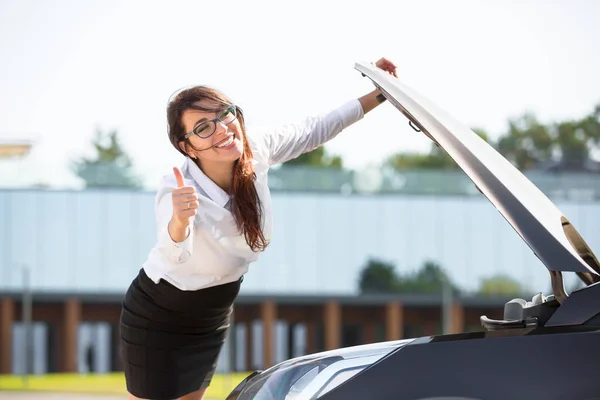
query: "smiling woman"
213, 218
214, 134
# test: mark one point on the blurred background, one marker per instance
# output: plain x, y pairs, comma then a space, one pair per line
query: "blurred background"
378, 234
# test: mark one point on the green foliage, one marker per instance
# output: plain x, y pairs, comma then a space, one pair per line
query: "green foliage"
432, 160
527, 143
430, 278
378, 277
381, 277
316, 158
500, 285
110, 167
436, 159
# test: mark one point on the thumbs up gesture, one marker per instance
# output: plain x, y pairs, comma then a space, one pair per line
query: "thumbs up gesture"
185, 205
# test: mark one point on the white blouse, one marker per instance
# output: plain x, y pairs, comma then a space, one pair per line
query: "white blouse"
215, 252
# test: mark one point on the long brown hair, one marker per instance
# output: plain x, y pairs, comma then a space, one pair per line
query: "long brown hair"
247, 209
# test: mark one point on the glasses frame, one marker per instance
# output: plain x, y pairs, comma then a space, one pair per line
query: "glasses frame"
215, 120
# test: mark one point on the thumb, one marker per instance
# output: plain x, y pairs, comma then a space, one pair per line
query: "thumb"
178, 177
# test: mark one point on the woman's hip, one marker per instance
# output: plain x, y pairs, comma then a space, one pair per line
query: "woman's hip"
164, 306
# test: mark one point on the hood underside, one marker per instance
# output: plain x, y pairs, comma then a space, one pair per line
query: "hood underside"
536, 219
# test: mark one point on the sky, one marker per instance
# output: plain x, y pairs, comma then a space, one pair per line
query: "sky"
69, 68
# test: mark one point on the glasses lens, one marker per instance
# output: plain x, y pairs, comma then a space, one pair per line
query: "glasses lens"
228, 115
205, 130
208, 128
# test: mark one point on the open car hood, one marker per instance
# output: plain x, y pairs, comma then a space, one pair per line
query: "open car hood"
549, 234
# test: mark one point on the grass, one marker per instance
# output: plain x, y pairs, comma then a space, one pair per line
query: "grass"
106, 384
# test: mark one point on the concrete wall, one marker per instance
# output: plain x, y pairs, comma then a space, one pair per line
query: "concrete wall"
95, 241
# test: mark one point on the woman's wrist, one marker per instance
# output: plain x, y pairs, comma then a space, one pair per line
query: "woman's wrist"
371, 100
178, 231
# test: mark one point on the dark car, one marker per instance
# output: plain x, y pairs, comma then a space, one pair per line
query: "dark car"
546, 347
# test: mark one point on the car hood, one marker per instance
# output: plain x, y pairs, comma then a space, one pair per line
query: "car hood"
535, 218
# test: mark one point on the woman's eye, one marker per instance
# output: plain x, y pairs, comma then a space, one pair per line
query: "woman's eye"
201, 128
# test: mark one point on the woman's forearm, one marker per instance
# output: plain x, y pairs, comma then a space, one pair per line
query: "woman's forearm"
371, 100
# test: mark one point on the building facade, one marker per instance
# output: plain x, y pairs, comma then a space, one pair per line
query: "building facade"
81, 250
79, 333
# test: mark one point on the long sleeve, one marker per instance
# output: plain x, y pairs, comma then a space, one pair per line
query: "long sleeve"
291, 140
174, 252
214, 252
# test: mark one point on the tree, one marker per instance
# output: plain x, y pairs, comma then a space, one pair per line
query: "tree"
566, 144
500, 285
381, 277
111, 167
527, 142
378, 277
437, 158
430, 278
591, 125
316, 158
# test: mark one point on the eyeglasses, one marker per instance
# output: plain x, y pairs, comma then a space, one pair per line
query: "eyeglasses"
207, 128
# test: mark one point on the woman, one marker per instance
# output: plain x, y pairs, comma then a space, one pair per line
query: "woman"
213, 218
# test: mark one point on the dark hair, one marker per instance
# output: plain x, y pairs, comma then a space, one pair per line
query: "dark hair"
246, 209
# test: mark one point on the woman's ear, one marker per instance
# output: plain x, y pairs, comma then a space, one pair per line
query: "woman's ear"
183, 147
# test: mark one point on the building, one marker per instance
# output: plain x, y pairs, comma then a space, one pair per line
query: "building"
82, 249
280, 327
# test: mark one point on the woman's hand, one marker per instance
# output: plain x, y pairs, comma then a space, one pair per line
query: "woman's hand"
386, 65
185, 205
373, 99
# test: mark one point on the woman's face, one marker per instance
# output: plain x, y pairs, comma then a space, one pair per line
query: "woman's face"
215, 140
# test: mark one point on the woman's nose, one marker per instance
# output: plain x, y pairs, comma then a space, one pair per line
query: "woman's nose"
220, 126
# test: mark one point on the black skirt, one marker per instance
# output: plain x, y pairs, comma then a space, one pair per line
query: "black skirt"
171, 339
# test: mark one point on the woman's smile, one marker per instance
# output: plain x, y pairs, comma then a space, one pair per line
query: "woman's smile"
227, 143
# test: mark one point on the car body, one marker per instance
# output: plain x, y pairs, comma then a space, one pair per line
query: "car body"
546, 347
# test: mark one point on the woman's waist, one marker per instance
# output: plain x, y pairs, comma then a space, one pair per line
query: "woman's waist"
172, 309
188, 294
200, 269
191, 278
